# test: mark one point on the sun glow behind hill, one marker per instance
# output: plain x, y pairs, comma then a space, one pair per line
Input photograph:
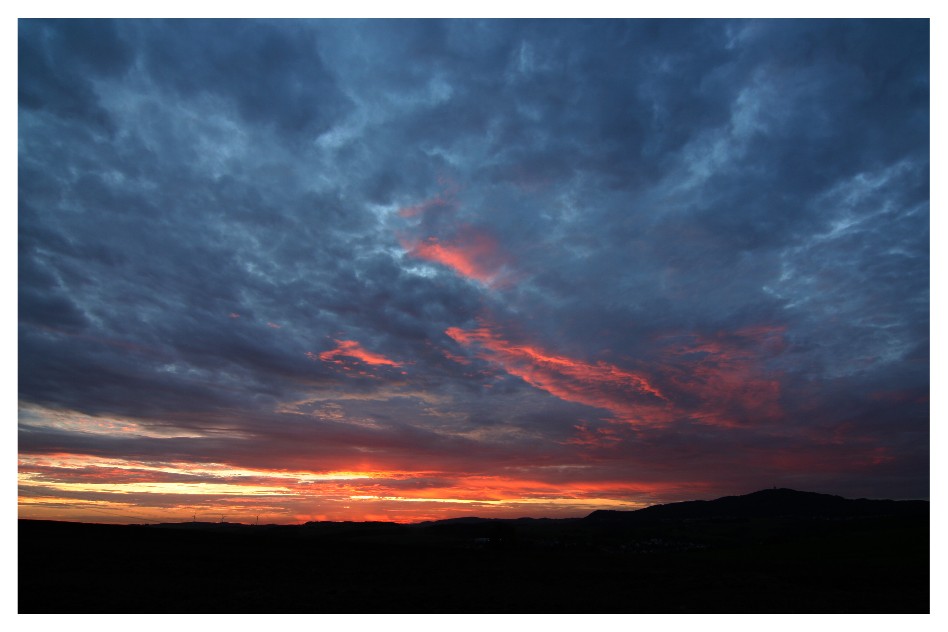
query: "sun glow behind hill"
71, 487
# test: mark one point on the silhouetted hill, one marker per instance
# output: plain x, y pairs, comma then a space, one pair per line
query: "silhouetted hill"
770, 551
462, 520
767, 503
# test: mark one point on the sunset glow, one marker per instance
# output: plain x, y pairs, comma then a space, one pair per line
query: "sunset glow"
119, 490
348, 350
421, 269
626, 394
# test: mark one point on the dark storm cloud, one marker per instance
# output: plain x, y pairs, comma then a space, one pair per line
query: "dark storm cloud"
271, 72
60, 65
735, 212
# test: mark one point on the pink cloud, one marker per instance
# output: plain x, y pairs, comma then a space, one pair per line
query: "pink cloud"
627, 394
473, 253
725, 374
348, 350
719, 380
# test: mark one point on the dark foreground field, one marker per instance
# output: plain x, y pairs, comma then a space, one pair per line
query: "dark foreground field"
772, 551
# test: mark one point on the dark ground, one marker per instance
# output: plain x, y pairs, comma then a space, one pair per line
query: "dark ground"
776, 551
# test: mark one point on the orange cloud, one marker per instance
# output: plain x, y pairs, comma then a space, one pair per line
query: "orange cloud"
628, 395
725, 374
470, 251
473, 253
353, 351
455, 358
80, 487
719, 380
598, 438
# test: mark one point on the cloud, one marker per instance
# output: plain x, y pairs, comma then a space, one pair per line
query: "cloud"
724, 379
443, 203
692, 254
721, 381
626, 394
348, 350
472, 253
62, 58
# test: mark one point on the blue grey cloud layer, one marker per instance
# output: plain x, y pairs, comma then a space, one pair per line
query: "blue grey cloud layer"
204, 203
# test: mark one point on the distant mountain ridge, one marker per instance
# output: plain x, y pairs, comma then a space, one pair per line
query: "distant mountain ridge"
775, 550
766, 503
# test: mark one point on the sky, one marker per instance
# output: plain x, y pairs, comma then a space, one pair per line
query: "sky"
283, 271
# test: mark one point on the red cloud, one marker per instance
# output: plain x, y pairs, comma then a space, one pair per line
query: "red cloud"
353, 351
599, 438
473, 253
628, 395
82, 484
725, 374
716, 380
